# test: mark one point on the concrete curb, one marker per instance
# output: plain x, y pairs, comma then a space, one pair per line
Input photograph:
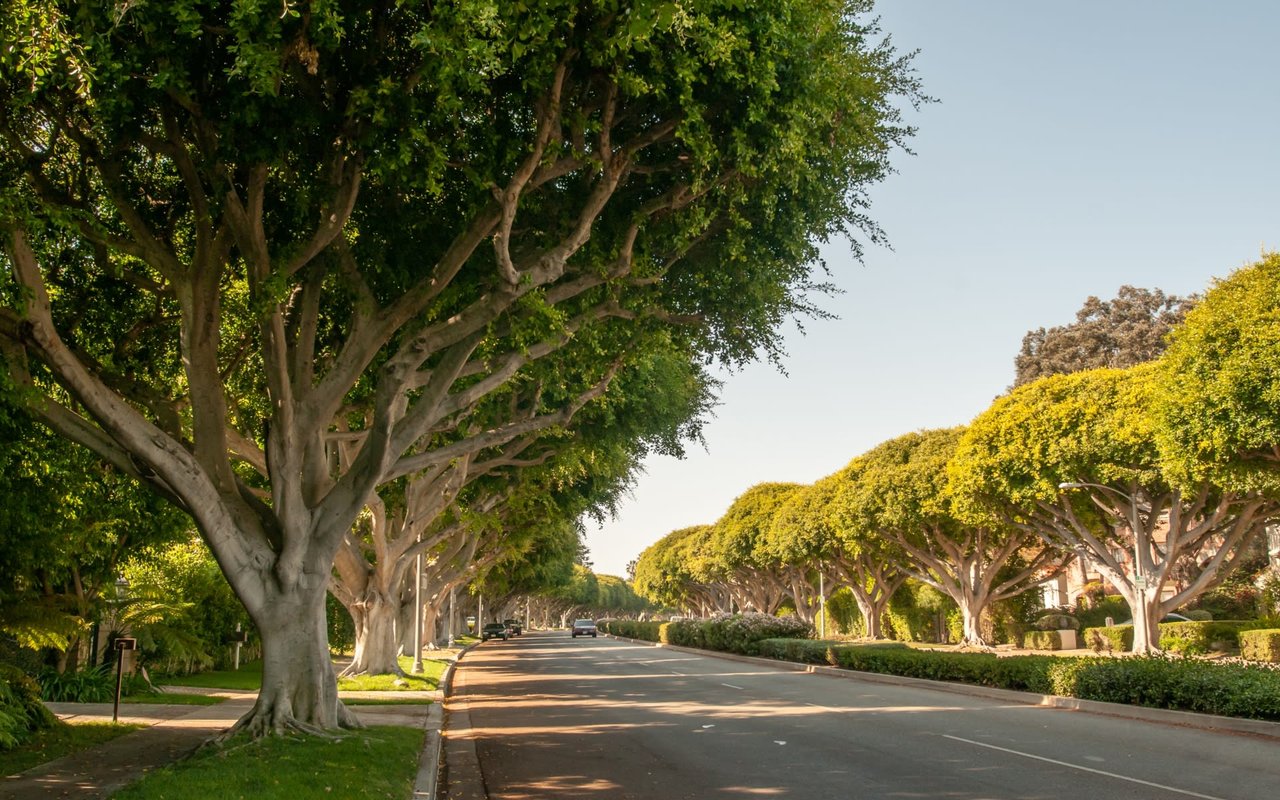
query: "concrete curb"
426, 782
1185, 719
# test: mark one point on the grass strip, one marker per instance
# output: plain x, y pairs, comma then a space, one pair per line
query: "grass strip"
248, 677
60, 740
172, 699
428, 680
290, 767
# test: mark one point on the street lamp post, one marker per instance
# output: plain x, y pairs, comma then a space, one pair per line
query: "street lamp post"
1143, 645
416, 669
822, 603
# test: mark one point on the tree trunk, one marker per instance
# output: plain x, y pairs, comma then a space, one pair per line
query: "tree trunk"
971, 614
376, 646
299, 688
872, 611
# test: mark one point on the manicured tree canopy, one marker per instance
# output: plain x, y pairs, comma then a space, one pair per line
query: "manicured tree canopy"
739, 547
673, 571
867, 561
240, 239
801, 549
1219, 386
1096, 428
899, 490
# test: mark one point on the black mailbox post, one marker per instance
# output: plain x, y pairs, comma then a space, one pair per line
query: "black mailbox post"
122, 644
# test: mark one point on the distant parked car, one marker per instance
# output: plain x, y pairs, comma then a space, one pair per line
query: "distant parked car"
584, 627
515, 625
495, 630
1167, 618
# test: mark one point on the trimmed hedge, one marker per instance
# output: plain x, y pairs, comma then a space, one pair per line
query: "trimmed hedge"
632, 629
1187, 638
1043, 640
735, 633
1261, 645
1115, 639
1198, 638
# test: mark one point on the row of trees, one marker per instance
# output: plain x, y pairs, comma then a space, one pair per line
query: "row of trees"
1157, 475
335, 282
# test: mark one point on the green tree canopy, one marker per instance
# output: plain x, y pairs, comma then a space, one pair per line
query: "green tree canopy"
1219, 385
242, 243
1074, 459
899, 490
1128, 330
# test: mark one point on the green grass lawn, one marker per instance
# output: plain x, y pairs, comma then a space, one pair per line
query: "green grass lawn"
249, 677
172, 699
427, 681
287, 768
58, 741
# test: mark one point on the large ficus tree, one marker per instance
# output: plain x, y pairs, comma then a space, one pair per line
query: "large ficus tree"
899, 491
268, 258
1074, 459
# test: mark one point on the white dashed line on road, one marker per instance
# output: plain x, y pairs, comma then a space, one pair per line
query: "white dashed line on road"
731, 686
1160, 786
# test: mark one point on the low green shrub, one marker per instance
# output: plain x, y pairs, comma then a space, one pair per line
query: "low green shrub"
800, 651
631, 628
1200, 637
1261, 645
1094, 613
1237, 690
96, 685
1113, 639
735, 633
1160, 681
1043, 640
21, 712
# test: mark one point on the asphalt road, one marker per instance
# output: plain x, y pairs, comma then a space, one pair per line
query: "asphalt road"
555, 717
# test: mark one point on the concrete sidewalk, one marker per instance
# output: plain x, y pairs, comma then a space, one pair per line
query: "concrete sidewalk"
175, 731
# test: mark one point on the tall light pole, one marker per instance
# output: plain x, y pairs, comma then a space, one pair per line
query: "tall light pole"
822, 602
416, 669
1139, 579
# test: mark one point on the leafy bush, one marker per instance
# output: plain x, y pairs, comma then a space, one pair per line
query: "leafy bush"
1057, 622
630, 628
800, 651
1158, 681
184, 610
1261, 645
1043, 640
1197, 615
1114, 639
97, 685
918, 613
21, 712
1198, 638
1094, 613
734, 633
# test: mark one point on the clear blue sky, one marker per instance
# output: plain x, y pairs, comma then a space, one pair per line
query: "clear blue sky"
1075, 148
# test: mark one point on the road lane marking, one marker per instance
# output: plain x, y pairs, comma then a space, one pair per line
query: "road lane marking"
1160, 786
731, 686
824, 708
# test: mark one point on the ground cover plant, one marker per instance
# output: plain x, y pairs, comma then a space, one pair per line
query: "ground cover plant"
276, 768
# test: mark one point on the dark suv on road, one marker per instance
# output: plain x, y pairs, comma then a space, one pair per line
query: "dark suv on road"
584, 627
495, 630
